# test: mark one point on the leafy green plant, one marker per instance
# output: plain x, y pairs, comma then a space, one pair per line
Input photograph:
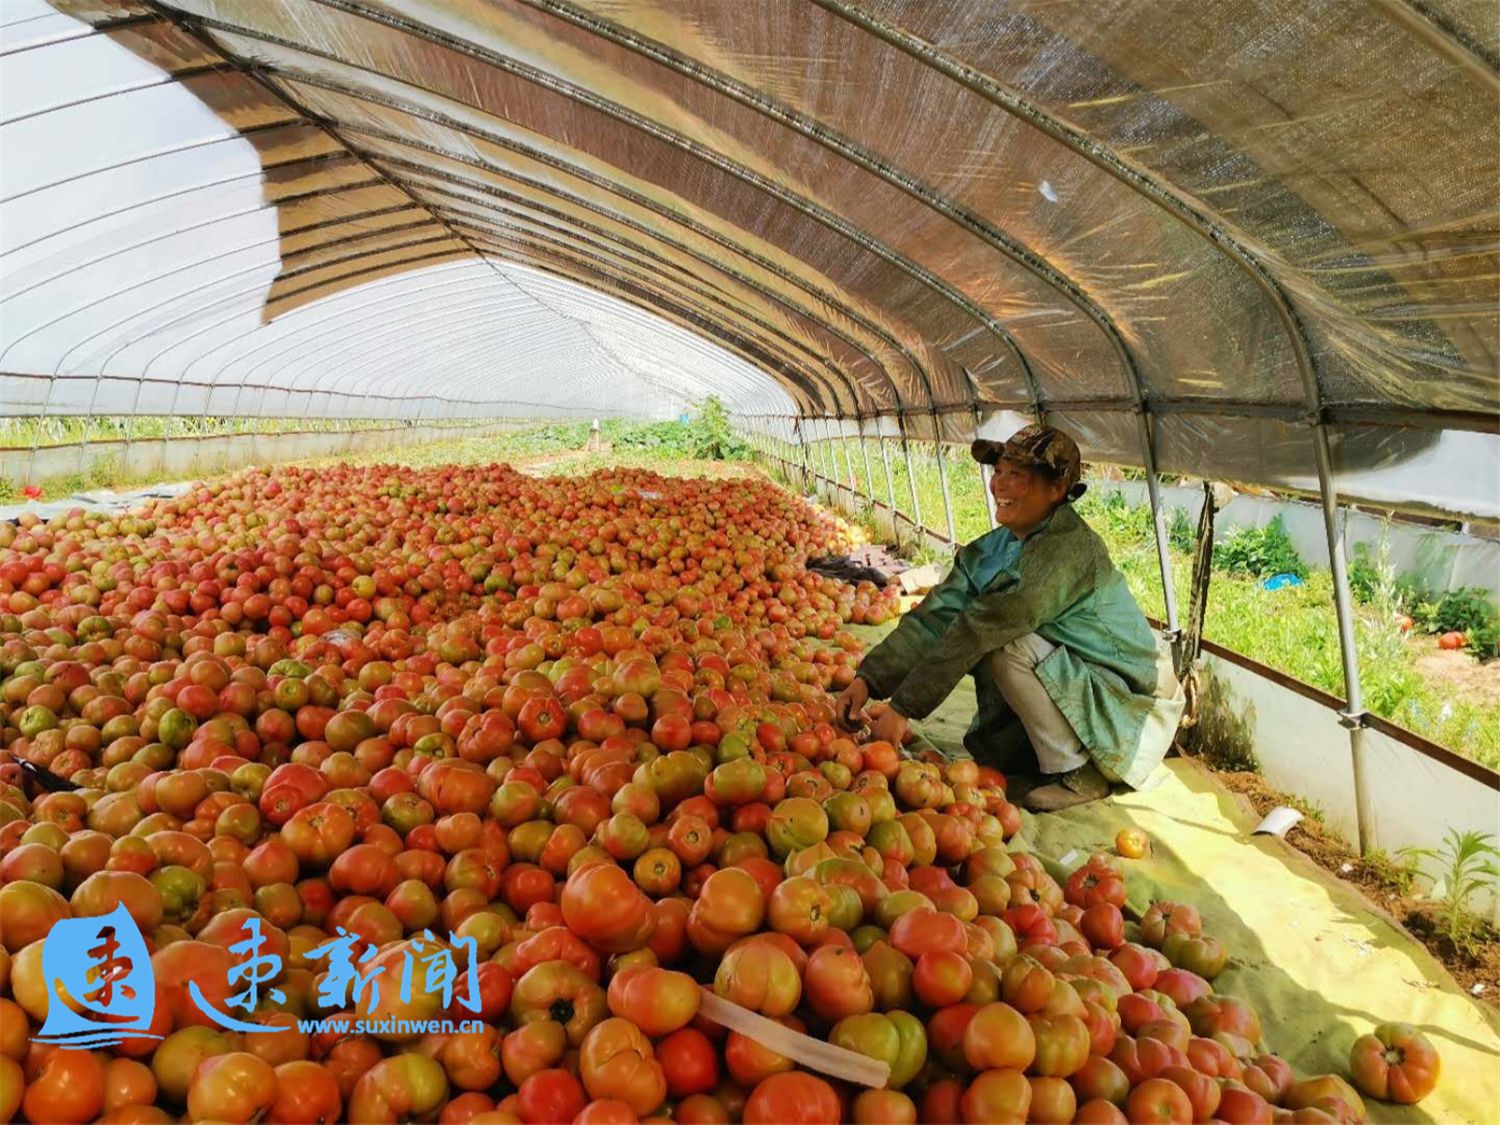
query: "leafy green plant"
1395, 873
1259, 551
713, 438
1116, 518
1466, 865
1294, 631
1364, 575
1467, 610
1180, 532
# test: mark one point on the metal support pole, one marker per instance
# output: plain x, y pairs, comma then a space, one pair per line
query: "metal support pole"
364, 411
864, 453
841, 475
1159, 526
801, 436
1353, 717
41, 423
911, 474
83, 446
937, 433
135, 406
833, 457
984, 479
890, 486
848, 460
833, 460
816, 452
815, 455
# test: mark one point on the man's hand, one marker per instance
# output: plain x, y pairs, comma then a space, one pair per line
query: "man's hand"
888, 725
849, 705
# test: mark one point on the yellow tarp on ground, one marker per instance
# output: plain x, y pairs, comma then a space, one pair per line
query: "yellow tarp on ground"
1318, 961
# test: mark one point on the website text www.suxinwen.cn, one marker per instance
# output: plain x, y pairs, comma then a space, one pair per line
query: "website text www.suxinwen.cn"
390, 1027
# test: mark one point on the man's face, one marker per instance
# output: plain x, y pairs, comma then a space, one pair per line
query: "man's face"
1023, 496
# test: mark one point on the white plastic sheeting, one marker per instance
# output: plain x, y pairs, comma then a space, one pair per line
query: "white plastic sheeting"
172, 258
1232, 218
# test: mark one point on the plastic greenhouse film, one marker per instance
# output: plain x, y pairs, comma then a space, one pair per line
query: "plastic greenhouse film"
804, 1050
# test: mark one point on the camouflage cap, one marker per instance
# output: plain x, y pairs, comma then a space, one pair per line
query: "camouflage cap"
1037, 447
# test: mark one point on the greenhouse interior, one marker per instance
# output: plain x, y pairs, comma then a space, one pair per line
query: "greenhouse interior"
803, 561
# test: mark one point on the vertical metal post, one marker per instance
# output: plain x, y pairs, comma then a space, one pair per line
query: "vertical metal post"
258, 428
937, 433
239, 414
849, 474
890, 486
799, 431
364, 411
984, 479
83, 446
833, 457
1353, 716
41, 422
835, 446
1159, 526
911, 474
864, 456
130, 420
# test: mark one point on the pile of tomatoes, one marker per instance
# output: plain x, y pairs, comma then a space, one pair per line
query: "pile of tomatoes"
575, 734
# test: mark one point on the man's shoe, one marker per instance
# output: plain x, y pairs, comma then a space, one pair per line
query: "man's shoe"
1019, 785
1076, 787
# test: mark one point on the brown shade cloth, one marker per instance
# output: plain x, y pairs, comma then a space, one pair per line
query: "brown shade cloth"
1222, 217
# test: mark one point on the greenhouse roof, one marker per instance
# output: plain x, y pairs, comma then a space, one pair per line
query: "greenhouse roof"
1234, 219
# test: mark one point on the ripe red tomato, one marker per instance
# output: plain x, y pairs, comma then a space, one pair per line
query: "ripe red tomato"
550, 1096
658, 1001
689, 1062
792, 1099
616, 1061
601, 903
1157, 1099
542, 718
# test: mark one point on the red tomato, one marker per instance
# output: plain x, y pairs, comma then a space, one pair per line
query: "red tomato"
689, 1062
658, 1001
1157, 1099
550, 1097
792, 1099
837, 983
616, 1061
602, 904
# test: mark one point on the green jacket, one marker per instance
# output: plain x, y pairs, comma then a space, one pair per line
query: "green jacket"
1108, 675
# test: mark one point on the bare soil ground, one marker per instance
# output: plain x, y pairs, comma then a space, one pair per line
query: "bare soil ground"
1458, 673
1476, 965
